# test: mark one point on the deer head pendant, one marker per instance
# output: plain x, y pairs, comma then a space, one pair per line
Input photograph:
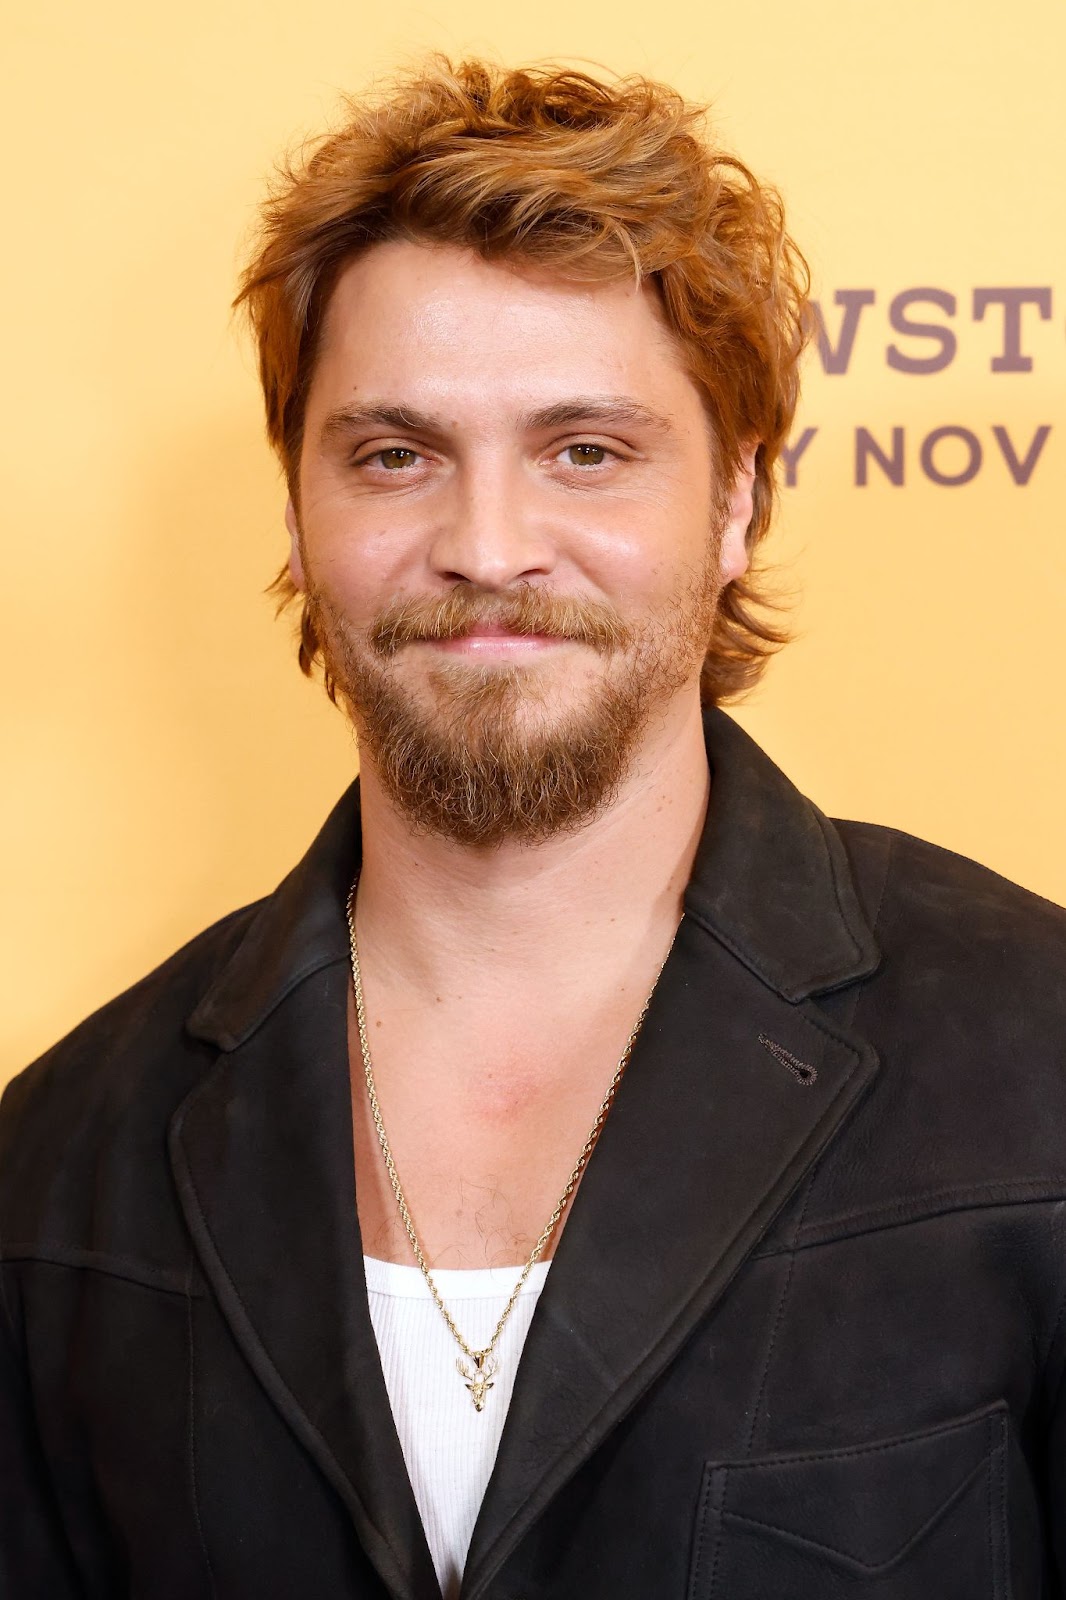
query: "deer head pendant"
479, 1382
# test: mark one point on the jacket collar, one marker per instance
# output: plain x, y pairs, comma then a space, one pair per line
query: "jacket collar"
295, 932
770, 881
705, 1126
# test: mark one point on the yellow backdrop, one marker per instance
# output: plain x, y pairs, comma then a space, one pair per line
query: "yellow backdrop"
166, 762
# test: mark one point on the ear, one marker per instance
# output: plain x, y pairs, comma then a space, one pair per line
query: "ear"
296, 565
733, 554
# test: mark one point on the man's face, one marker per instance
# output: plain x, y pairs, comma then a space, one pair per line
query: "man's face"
509, 532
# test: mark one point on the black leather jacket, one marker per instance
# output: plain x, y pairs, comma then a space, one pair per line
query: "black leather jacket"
803, 1337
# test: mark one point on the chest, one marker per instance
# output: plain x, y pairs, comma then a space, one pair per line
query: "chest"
484, 1135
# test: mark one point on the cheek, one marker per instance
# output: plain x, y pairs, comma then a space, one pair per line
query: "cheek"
651, 546
358, 561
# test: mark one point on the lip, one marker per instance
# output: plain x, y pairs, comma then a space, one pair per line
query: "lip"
490, 641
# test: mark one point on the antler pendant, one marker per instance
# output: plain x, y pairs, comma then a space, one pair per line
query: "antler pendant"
479, 1382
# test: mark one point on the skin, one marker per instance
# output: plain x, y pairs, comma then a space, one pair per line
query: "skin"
502, 984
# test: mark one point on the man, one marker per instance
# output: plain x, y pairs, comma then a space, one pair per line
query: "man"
592, 1173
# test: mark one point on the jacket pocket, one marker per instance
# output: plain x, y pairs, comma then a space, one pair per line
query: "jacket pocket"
909, 1518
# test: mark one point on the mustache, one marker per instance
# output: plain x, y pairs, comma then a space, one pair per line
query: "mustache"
527, 610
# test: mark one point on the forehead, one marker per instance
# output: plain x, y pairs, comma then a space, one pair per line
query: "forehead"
439, 323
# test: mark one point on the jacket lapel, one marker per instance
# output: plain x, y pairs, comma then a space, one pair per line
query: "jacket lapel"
262, 1156
737, 1083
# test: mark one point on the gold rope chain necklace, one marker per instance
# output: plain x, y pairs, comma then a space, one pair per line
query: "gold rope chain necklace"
480, 1377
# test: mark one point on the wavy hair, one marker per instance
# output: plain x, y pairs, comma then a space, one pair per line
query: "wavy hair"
601, 180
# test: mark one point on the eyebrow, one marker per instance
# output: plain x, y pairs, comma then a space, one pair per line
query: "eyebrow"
340, 424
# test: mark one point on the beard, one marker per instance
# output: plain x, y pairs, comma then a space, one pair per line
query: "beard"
486, 755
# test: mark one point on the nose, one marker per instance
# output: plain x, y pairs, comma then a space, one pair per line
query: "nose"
492, 534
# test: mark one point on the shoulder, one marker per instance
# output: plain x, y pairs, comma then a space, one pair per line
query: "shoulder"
939, 906
966, 1013
972, 975
110, 1085
120, 1047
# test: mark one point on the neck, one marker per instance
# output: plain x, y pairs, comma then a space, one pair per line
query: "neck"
520, 916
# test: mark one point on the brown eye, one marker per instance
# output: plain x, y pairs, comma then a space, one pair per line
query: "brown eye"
397, 457
586, 455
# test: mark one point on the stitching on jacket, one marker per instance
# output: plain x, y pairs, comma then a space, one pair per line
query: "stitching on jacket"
779, 1311
128, 1268
749, 959
875, 920
1060, 1317
1004, 1530
201, 1537
228, 1041
717, 1538
990, 1521
823, 825
839, 1552
846, 1018
802, 1071
766, 1252
778, 1317
899, 1208
701, 1532
850, 1451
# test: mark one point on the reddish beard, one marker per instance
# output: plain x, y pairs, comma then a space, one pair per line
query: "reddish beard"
483, 759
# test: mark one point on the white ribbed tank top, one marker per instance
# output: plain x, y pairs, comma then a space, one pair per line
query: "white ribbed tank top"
449, 1447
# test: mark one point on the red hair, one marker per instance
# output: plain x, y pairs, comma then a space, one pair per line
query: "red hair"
594, 179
